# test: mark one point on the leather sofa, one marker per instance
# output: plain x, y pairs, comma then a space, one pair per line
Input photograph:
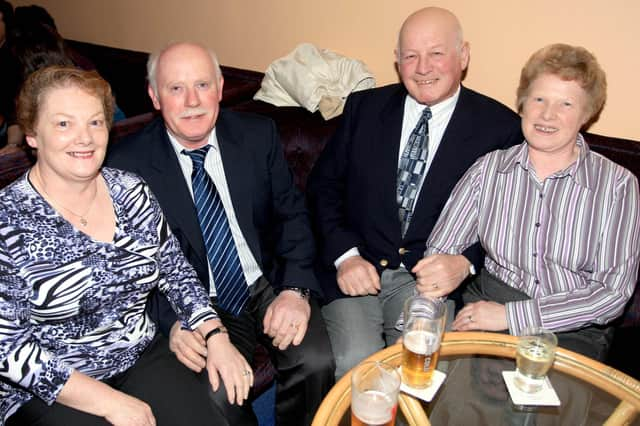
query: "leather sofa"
303, 136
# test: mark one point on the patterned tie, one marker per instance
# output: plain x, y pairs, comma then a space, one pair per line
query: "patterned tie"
231, 286
413, 163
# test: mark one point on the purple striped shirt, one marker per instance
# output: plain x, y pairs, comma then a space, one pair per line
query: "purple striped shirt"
572, 242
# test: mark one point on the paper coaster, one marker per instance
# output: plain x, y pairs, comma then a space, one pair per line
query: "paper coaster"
427, 393
546, 396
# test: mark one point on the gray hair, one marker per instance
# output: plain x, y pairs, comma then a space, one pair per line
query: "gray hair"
152, 63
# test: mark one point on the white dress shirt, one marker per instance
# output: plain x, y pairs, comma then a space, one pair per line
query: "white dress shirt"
214, 168
440, 115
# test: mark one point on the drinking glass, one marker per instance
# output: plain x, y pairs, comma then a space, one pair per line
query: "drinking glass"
424, 323
374, 394
534, 355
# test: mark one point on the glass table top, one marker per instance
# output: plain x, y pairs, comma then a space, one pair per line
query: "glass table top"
474, 393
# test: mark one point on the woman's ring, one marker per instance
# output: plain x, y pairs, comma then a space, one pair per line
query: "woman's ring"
246, 373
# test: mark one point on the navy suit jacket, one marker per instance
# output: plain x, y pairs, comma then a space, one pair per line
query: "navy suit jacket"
352, 188
270, 210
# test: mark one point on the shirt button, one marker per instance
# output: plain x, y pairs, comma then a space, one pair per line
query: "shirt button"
537, 281
402, 251
384, 263
540, 195
535, 254
537, 224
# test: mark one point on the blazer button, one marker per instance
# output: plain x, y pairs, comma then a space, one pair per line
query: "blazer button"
384, 263
402, 251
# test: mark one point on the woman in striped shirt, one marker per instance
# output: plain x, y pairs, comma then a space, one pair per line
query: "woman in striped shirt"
560, 224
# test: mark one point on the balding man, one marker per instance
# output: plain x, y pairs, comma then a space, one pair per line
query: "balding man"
228, 195
379, 186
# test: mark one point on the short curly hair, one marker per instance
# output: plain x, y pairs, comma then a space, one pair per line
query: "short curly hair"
571, 63
39, 83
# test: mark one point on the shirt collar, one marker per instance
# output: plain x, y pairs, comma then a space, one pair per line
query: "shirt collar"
517, 156
178, 147
415, 108
578, 170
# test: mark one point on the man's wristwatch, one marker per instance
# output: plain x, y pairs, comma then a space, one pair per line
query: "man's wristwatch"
304, 293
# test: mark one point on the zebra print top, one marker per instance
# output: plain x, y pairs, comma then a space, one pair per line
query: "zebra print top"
68, 302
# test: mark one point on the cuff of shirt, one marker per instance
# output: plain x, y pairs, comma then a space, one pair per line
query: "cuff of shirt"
522, 314
52, 376
347, 254
199, 317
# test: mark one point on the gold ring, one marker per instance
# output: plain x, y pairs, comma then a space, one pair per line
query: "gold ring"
470, 318
246, 373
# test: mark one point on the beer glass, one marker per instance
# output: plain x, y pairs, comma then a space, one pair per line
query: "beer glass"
534, 356
374, 394
424, 322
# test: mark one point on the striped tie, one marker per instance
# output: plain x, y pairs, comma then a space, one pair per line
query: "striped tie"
413, 164
231, 287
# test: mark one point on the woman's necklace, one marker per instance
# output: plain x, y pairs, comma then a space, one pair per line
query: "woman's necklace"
83, 217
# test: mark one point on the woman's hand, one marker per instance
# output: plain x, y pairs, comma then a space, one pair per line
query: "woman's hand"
94, 397
224, 361
483, 315
125, 410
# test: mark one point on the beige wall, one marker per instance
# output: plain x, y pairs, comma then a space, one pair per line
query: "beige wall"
502, 33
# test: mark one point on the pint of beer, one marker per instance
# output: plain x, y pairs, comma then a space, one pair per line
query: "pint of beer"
419, 357
424, 324
373, 408
374, 394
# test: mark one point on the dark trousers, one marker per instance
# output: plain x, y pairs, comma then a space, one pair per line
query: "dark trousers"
593, 341
175, 395
305, 373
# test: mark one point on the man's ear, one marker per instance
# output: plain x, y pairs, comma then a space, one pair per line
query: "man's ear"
464, 55
220, 86
154, 97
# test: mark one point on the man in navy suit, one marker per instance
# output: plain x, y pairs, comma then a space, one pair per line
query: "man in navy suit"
369, 262
268, 225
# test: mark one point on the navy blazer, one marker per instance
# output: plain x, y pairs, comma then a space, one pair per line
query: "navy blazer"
352, 188
269, 208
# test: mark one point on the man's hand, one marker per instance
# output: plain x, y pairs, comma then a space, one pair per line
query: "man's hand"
483, 315
286, 319
357, 277
438, 275
224, 361
189, 347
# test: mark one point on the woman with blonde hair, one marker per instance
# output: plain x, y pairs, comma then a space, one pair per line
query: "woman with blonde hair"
560, 224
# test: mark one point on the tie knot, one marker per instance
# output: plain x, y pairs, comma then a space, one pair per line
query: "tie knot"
426, 114
197, 155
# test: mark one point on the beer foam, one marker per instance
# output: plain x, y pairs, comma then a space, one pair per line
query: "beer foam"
373, 407
421, 341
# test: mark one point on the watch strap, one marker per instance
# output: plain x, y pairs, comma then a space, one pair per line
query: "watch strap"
305, 293
219, 329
